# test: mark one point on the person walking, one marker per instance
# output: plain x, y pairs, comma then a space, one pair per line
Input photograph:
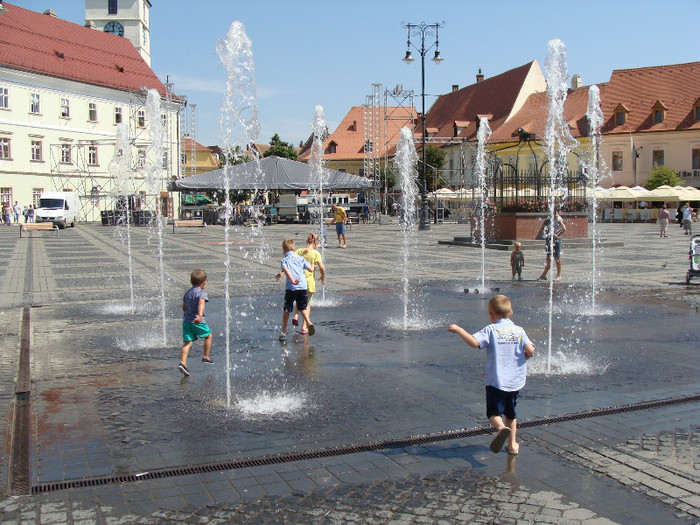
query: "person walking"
688, 219
664, 217
340, 218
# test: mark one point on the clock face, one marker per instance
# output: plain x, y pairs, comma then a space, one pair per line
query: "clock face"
115, 28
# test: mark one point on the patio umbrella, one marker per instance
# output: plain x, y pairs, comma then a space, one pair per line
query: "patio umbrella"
623, 193
664, 193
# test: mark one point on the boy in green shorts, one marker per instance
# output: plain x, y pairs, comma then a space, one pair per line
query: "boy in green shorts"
193, 323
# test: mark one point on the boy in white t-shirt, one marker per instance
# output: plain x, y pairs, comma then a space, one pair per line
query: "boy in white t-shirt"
507, 348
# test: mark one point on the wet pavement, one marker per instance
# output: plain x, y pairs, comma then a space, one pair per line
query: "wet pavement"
118, 436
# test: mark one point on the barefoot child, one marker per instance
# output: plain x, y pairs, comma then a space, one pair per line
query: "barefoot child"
507, 349
193, 322
517, 260
295, 290
311, 254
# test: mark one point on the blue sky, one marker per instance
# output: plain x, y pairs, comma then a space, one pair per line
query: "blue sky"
314, 52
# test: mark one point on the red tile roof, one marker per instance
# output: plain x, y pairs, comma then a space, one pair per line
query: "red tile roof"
349, 136
493, 96
187, 145
677, 87
46, 45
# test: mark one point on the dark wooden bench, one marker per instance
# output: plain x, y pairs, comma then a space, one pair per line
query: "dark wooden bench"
188, 223
28, 226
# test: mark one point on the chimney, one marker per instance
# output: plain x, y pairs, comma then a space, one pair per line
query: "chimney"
576, 82
91, 24
51, 12
479, 76
455, 87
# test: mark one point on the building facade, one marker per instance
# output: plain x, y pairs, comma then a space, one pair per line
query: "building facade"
126, 18
63, 94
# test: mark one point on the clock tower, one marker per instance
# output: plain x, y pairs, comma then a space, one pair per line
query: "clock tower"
125, 18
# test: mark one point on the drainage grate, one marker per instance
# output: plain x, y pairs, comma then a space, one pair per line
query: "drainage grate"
349, 449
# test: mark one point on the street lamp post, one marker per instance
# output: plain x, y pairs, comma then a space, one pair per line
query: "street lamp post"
422, 30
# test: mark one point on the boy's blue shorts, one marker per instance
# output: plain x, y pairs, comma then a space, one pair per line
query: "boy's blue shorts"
301, 297
500, 402
191, 331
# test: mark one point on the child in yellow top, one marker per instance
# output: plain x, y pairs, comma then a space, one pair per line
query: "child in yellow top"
517, 260
311, 254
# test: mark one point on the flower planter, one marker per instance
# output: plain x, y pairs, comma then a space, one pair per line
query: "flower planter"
524, 226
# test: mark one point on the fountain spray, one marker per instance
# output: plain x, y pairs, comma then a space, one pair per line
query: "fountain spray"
154, 168
595, 120
482, 136
318, 178
240, 128
406, 157
559, 144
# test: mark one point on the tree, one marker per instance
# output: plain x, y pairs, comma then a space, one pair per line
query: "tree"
435, 162
388, 178
661, 175
279, 148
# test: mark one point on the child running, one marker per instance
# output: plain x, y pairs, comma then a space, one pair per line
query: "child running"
311, 254
517, 260
293, 266
193, 323
507, 349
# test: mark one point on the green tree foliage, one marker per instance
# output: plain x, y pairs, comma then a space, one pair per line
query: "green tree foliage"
661, 175
279, 148
435, 162
234, 157
388, 178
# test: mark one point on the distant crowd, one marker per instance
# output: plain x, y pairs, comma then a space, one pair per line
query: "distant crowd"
12, 214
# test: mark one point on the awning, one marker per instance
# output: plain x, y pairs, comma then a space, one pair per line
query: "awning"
271, 173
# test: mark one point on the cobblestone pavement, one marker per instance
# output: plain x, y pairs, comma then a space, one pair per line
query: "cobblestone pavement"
627, 467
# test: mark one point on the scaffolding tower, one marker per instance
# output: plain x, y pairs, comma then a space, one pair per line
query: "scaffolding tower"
371, 116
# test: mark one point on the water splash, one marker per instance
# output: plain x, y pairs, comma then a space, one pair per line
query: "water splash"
567, 363
240, 128
482, 136
271, 403
559, 144
154, 169
123, 176
406, 158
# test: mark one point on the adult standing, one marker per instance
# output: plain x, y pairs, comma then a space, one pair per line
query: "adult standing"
664, 217
6, 212
340, 218
688, 219
16, 210
556, 231
31, 213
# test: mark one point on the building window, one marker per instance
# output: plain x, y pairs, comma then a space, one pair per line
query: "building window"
65, 154
617, 161
696, 159
36, 151
92, 112
112, 7
35, 103
141, 119
6, 195
697, 112
4, 98
183, 158
117, 115
65, 108
361, 172
657, 157
165, 160
4, 148
92, 155
368, 146
141, 158
332, 148
36, 195
620, 118
658, 116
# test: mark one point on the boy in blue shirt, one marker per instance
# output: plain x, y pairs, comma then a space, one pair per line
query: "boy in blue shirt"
193, 322
295, 290
507, 348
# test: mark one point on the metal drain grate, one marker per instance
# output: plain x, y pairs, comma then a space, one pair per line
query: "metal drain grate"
348, 449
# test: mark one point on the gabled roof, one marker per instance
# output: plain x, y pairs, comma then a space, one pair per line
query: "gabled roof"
187, 145
532, 117
46, 45
349, 136
497, 97
676, 86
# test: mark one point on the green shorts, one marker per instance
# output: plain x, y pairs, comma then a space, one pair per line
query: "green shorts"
191, 331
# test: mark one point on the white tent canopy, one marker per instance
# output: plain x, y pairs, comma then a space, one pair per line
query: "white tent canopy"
270, 173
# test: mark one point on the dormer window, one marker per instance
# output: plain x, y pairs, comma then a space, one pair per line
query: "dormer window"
332, 147
696, 109
369, 146
459, 126
431, 132
658, 112
621, 114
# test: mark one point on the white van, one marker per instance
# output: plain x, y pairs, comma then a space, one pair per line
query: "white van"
58, 207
